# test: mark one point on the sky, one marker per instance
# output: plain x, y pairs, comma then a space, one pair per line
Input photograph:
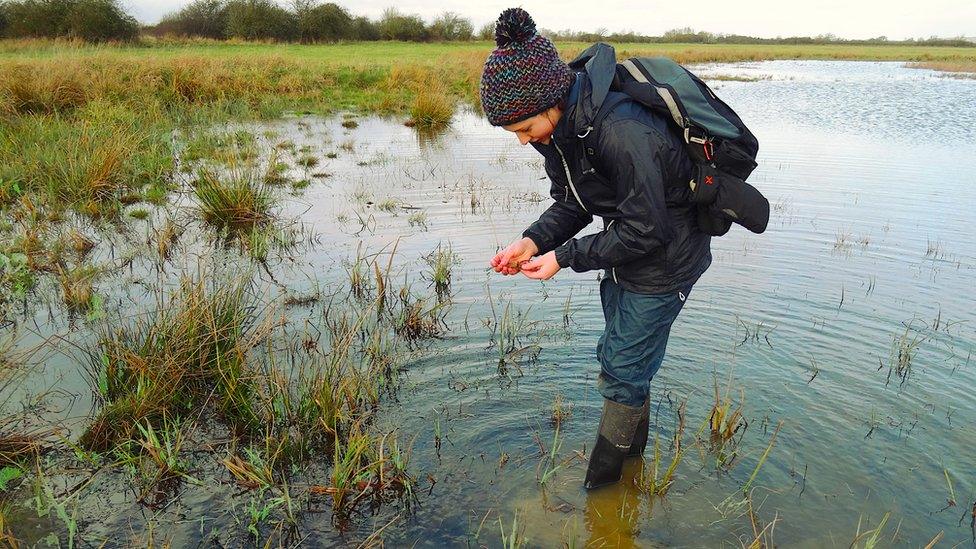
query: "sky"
896, 19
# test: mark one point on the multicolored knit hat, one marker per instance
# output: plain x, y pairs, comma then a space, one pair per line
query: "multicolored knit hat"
524, 76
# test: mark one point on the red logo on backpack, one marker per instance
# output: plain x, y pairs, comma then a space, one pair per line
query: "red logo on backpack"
708, 180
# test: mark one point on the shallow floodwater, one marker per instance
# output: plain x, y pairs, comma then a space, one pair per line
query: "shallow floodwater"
869, 168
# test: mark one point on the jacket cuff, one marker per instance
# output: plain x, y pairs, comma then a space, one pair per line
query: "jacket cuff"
563, 256
540, 242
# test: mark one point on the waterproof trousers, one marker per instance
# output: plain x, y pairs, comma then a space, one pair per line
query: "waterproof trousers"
632, 346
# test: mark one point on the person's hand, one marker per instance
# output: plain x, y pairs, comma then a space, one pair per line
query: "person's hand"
510, 259
543, 267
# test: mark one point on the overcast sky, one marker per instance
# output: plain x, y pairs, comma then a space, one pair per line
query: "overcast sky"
896, 19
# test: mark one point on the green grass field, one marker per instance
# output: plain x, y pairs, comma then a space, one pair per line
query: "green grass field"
383, 54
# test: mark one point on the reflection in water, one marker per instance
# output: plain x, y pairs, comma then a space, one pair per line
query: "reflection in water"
431, 137
613, 513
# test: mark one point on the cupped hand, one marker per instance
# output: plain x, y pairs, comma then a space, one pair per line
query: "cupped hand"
543, 267
509, 260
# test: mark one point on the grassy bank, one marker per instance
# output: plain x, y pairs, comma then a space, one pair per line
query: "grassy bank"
959, 68
387, 54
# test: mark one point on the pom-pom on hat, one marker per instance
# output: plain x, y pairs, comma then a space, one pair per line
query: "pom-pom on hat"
524, 75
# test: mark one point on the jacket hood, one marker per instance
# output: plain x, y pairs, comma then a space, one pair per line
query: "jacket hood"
597, 64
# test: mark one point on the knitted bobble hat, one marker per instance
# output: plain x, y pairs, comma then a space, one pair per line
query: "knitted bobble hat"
524, 75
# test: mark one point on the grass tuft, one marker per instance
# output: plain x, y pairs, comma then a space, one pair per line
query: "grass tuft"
169, 363
235, 202
432, 109
77, 289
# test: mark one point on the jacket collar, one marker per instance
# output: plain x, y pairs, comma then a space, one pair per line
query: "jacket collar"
567, 122
595, 69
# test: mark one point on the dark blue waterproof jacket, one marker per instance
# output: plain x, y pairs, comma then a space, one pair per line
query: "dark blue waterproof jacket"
638, 184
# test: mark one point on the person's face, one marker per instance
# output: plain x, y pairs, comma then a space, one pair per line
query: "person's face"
537, 129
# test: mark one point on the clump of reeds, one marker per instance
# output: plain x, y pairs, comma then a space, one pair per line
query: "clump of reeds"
934, 249
843, 241
432, 109
156, 452
903, 349
561, 411
46, 92
507, 331
77, 287
360, 278
364, 468
190, 351
726, 425
257, 242
654, 478
416, 320
308, 161
17, 447
388, 205
275, 172
80, 243
869, 539
234, 202
250, 470
515, 537
89, 163
165, 238
418, 219
441, 262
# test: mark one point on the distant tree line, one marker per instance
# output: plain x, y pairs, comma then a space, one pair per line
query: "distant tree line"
306, 21
311, 21
91, 20
691, 36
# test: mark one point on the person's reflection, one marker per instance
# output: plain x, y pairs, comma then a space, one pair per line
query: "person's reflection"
613, 512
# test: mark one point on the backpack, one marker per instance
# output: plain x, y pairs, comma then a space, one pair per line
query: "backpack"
721, 147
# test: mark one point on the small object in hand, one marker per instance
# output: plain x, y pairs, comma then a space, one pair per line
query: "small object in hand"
516, 264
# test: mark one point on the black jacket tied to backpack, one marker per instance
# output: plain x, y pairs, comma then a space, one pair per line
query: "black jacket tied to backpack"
635, 178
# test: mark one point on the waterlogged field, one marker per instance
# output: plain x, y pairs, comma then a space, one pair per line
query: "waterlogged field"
299, 341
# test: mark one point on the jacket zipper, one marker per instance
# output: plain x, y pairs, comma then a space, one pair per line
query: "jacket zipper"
569, 177
613, 270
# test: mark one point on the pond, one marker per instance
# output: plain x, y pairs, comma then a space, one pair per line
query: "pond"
844, 335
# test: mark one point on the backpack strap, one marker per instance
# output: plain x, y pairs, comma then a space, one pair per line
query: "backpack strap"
589, 145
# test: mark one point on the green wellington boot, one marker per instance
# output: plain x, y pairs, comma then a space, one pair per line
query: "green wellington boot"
640, 435
617, 427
